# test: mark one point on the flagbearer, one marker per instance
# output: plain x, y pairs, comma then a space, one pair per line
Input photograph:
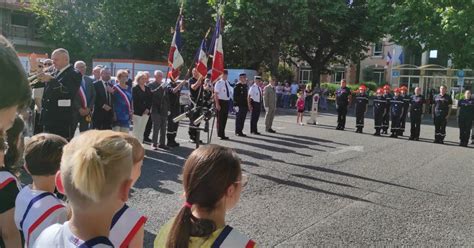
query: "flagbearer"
406, 105
221, 99
380, 107
255, 99
174, 110
416, 113
361, 108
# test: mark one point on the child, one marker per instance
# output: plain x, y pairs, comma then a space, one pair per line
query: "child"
362, 101
380, 107
465, 116
300, 108
37, 207
9, 184
127, 229
213, 181
396, 112
95, 173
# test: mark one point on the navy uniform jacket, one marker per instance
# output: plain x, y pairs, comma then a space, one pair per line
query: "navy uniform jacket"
416, 104
240, 95
174, 99
396, 106
361, 102
442, 105
59, 96
342, 97
380, 104
466, 109
406, 103
388, 97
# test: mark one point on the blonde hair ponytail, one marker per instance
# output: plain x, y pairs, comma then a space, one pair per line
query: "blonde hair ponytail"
94, 165
88, 175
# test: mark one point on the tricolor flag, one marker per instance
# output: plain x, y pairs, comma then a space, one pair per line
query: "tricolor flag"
389, 58
401, 58
175, 60
218, 55
201, 63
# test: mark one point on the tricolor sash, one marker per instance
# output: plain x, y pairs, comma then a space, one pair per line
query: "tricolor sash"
6, 178
82, 96
40, 208
125, 225
124, 96
230, 237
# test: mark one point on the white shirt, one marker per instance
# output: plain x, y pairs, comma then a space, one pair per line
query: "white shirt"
42, 213
223, 90
255, 93
125, 225
60, 236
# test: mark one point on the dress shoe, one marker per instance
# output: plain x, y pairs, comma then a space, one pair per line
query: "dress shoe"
271, 131
164, 147
173, 144
411, 138
256, 133
224, 138
146, 140
241, 135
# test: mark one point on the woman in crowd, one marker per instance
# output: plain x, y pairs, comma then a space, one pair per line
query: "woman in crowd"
213, 181
10, 154
286, 95
123, 109
142, 96
96, 177
279, 94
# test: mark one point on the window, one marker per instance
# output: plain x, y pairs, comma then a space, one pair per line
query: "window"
379, 77
305, 75
19, 19
377, 49
338, 75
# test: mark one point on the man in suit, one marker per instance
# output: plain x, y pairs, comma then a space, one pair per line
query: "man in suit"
59, 94
103, 115
269, 102
84, 103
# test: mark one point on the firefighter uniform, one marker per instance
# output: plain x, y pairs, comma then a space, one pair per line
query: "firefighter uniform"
380, 107
406, 105
386, 116
416, 111
362, 101
396, 112
442, 104
342, 101
174, 110
465, 118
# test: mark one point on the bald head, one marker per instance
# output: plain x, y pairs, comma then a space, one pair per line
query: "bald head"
417, 91
60, 58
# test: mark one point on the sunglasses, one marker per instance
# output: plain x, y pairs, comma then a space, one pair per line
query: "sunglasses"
243, 180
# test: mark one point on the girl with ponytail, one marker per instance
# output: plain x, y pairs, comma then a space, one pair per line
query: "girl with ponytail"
213, 181
96, 175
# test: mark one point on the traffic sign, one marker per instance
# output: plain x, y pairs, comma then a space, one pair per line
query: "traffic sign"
395, 74
461, 82
460, 73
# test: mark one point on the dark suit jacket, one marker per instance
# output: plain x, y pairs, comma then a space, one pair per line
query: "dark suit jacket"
63, 87
100, 99
90, 93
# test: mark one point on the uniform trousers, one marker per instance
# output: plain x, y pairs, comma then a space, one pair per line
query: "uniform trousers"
378, 118
269, 116
341, 116
465, 125
240, 119
440, 127
360, 119
159, 128
256, 108
222, 116
395, 128
415, 122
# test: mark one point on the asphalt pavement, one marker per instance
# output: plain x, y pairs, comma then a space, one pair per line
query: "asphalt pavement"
314, 186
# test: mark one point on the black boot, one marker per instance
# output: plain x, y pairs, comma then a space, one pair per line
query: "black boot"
171, 140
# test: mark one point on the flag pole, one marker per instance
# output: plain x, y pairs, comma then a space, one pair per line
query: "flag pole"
178, 20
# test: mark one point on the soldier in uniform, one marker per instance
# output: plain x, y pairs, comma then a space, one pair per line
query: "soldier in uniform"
174, 110
343, 99
416, 113
380, 107
465, 116
386, 117
240, 104
396, 112
61, 89
406, 105
362, 101
441, 111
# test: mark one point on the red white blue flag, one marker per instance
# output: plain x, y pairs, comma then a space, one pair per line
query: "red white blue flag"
218, 53
201, 63
389, 58
175, 60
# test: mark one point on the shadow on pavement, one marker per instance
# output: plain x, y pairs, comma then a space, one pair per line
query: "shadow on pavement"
291, 142
271, 148
298, 137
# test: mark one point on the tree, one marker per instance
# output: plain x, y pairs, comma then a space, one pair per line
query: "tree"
434, 24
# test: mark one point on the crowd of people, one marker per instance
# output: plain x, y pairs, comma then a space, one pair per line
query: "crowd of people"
80, 185
395, 109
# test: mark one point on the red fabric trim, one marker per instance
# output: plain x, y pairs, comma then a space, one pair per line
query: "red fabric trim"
250, 244
41, 219
134, 231
6, 182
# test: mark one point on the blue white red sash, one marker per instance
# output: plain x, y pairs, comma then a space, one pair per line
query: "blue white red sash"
38, 210
82, 96
230, 237
124, 96
6, 178
125, 225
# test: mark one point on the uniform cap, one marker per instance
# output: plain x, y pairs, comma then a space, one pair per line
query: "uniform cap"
257, 78
386, 87
362, 87
379, 91
396, 90
403, 88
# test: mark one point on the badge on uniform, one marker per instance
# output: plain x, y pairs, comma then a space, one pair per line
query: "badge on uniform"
64, 103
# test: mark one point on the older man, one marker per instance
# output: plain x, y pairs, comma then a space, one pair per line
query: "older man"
60, 91
269, 102
84, 103
159, 110
103, 114
96, 73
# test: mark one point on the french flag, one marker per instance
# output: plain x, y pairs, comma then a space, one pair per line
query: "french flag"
201, 63
175, 60
389, 58
218, 55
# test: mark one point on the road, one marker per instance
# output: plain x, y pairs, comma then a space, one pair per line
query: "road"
316, 186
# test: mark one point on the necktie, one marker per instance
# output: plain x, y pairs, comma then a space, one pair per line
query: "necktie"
260, 93
227, 89
107, 96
